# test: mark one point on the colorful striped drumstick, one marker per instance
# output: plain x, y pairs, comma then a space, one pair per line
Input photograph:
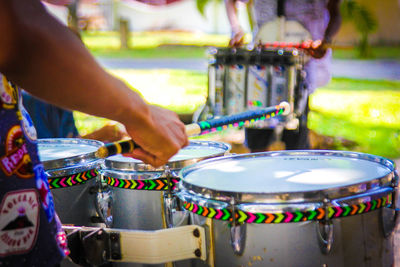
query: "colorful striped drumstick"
204, 127
303, 45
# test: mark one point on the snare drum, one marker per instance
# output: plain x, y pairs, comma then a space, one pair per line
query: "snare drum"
138, 199
72, 169
299, 208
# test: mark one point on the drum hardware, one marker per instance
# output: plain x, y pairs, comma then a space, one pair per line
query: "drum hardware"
238, 232
104, 201
172, 204
390, 215
96, 246
325, 230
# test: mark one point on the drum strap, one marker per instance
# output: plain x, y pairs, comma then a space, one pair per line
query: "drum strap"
72, 180
160, 184
319, 214
97, 246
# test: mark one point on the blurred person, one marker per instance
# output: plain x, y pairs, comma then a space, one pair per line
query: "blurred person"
47, 60
54, 122
322, 20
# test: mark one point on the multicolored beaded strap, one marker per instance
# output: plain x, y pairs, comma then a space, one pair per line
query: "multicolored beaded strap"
71, 180
288, 217
160, 184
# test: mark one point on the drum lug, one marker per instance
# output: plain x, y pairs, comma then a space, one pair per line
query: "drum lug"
173, 213
325, 236
238, 233
104, 205
238, 238
389, 215
325, 231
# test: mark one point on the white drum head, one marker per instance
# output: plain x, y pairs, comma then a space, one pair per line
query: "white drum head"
278, 173
67, 153
195, 151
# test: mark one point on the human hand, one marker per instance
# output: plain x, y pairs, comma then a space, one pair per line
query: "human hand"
318, 48
111, 132
159, 138
237, 38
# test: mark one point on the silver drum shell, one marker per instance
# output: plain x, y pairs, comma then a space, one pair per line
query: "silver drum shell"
75, 205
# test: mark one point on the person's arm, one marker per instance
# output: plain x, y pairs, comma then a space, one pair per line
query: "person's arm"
320, 47
46, 59
237, 31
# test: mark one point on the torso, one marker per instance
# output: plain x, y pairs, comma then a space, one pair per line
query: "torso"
30, 232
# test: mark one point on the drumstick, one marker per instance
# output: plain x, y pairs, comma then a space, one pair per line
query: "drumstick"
303, 45
203, 127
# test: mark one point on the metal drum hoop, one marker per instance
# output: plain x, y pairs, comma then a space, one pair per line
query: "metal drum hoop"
284, 207
141, 176
71, 170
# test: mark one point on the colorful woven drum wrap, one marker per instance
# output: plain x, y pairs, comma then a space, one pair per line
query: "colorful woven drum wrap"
72, 180
289, 217
160, 184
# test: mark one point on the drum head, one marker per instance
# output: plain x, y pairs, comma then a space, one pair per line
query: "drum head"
194, 152
282, 176
67, 153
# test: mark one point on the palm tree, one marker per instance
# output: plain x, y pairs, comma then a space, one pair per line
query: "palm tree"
364, 22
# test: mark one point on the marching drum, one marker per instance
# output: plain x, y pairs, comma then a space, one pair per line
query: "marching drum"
299, 208
142, 195
72, 170
240, 79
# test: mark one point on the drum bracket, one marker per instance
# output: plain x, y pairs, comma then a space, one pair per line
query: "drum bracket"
390, 215
325, 231
238, 233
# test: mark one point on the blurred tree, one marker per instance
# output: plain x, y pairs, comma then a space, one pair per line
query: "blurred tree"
364, 22
73, 16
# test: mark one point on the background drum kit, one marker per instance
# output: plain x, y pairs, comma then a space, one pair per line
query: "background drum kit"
207, 207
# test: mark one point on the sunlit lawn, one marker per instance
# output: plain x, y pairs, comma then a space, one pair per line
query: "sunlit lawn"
153, 44
364, 111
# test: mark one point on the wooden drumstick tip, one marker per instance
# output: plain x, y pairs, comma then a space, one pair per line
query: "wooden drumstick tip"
192, 129
286, 106
102, 152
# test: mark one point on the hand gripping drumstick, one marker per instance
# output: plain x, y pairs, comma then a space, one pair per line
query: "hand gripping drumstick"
203, 127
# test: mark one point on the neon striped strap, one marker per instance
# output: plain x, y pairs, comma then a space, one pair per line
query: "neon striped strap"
72, 180
288, 217
160, 184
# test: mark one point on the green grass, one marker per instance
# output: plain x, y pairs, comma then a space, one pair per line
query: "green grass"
178, 90
153, 44
378, 52
364, 111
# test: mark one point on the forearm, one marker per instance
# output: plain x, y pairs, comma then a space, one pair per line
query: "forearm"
335, 20
232, 14
61, 71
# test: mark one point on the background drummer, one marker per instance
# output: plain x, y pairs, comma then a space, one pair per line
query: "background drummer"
322, 20
46, 59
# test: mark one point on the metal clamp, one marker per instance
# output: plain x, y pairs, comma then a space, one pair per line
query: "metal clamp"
325, 231
238, 232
